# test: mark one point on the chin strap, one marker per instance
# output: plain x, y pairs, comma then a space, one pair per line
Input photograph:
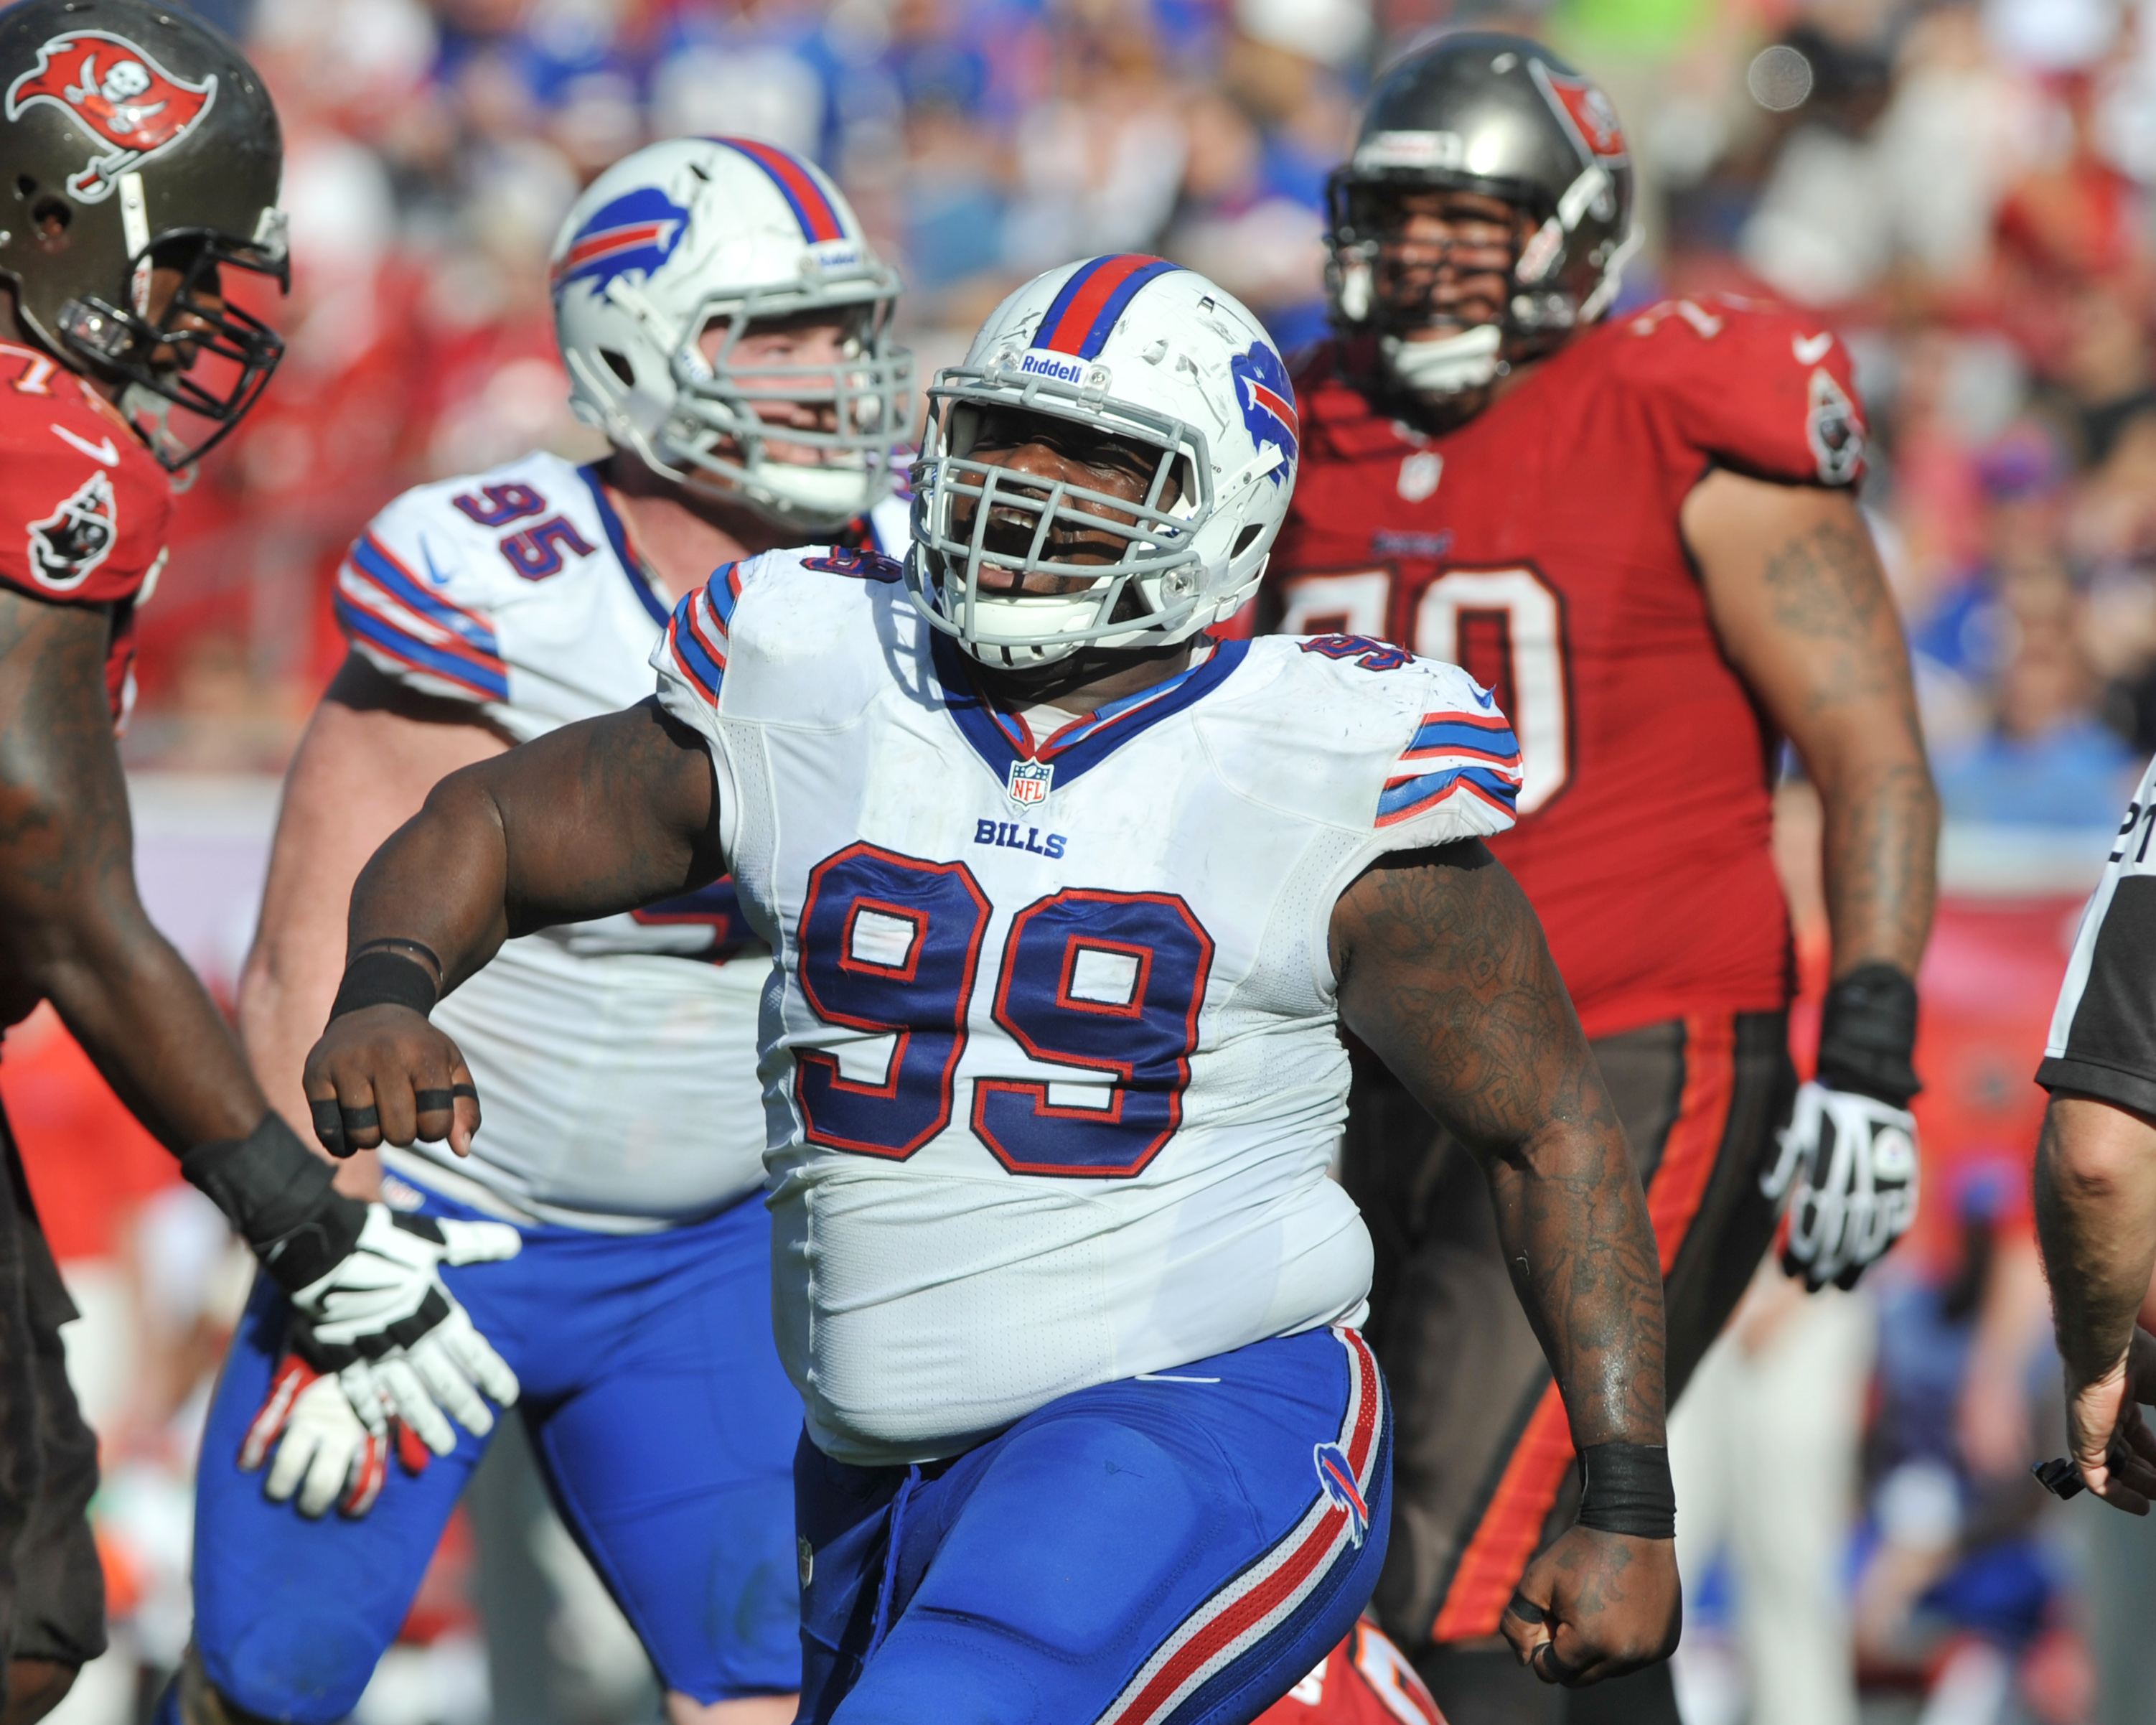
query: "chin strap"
1448, 365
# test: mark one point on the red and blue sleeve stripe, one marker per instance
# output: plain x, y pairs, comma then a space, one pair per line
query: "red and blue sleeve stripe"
1404, 798
1081, 318
1480, 759
797, 184
383, 608
1485, 737
696, 633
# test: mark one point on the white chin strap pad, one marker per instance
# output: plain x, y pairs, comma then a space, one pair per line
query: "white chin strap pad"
1447, 364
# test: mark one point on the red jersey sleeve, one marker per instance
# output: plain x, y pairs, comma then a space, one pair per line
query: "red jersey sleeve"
83, 508
1752, 387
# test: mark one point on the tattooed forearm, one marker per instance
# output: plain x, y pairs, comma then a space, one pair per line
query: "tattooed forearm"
594, 819
1802, 609
1881, 857
1445, 976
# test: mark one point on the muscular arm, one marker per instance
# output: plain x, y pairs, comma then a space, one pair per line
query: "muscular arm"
72, 928
1802, 609
370, 753
596, 817
1445, 976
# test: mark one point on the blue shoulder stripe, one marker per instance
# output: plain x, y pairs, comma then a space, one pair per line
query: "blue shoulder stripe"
1404, 796
369, 558
487, 678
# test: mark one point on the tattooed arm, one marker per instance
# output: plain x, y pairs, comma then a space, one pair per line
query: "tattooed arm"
1802, 609
72, 928
1444, 973
591, 819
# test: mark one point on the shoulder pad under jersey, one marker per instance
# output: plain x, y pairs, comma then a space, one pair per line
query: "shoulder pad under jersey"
791, 637
421, 590
1749, 384
1368, 737
84, 508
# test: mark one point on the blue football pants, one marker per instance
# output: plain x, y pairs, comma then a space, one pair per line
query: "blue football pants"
660, 1418
1183, 1547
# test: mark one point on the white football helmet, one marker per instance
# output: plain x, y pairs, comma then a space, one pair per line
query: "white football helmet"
695, 231
1157, 354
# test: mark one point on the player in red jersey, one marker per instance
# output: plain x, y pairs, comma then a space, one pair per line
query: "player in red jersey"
1364, 1680
1643, 535
143, 158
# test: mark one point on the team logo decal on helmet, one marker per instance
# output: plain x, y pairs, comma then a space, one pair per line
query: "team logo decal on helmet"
68, 544
1589, 112
637, 231
118, 93
1267, 400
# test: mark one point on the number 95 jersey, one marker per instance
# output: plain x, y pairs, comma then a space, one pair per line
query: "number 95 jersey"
1050, 1047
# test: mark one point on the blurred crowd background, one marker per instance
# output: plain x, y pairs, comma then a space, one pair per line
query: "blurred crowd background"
1965, 191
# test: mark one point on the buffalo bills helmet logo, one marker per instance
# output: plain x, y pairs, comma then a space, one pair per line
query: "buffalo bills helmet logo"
1338, 1479
638, 230
118, 94
1267, 400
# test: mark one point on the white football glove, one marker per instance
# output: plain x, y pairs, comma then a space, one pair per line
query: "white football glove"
1848, 1163
385, 1306
325, 1454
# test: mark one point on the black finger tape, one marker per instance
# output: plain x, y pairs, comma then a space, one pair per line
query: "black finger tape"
360, 1120
329, 1126
1526, 1610
2060, 1477
432, 1101
1550, 1665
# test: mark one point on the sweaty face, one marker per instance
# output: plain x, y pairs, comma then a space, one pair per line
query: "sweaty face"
1445, 260
1046, 448
768, 366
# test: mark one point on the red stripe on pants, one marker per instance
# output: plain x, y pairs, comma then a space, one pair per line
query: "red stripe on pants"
1511, 1525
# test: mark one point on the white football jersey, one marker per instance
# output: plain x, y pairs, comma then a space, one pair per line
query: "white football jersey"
1050, 1049
615, 1059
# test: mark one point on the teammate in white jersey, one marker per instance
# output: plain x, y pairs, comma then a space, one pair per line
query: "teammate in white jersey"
1069, 903
723, 320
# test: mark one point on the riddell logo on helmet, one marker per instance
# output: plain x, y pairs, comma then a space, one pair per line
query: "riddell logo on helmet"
1037, 363
118, 94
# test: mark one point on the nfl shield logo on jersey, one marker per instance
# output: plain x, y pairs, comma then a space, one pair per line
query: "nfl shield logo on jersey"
1337, 1477
1029, 781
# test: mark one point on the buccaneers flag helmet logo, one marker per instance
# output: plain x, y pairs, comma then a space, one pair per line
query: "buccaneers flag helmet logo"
122, 96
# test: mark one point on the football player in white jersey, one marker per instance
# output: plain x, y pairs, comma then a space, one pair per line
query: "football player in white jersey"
723, 320
1068, 903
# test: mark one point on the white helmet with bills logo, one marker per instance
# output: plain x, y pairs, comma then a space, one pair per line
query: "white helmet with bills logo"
694, 233
1155, 355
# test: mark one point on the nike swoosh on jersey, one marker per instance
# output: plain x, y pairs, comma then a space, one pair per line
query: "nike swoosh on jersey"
102, 450
1810, 350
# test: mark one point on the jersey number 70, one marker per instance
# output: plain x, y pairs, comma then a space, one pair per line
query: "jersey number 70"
1505, 628
1107, 984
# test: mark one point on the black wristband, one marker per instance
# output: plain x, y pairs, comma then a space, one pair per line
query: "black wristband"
381, 978
1624, 1488
1867, 1034
279, 1194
